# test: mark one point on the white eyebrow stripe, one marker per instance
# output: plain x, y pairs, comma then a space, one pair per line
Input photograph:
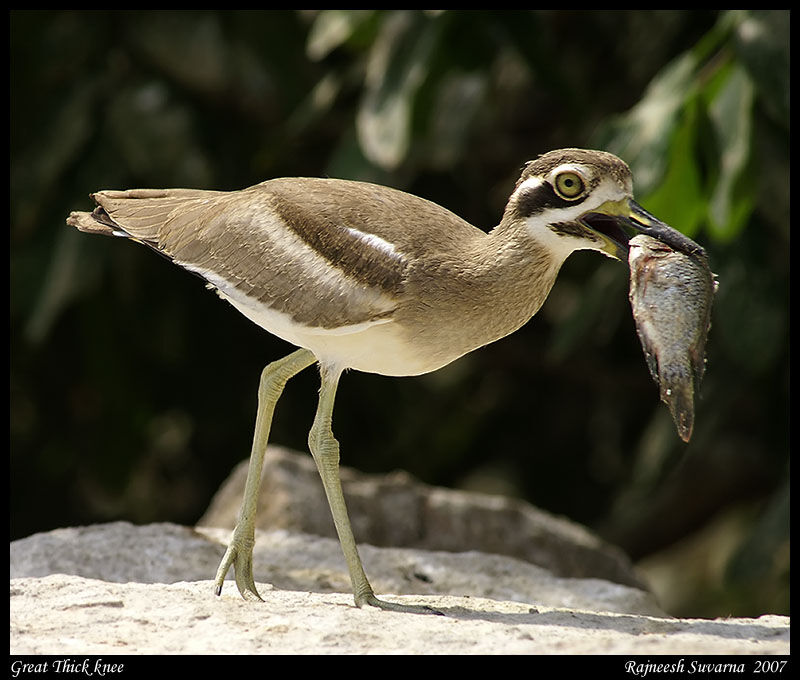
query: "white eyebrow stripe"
581, 170
377, 242
530, 183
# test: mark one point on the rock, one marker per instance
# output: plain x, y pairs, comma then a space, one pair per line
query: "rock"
120, 552
122, 589
396, 510
70, 615
166, 553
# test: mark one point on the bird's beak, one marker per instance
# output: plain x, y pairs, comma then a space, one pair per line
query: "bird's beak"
612, 218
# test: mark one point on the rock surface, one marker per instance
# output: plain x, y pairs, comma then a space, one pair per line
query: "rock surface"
396, 511
118, 588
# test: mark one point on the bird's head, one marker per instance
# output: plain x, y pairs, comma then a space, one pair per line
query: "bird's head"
577, 199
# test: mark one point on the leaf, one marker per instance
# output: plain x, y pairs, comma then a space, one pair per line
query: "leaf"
730, 113
762, 44
397, 67
642, 135
679, 198
459, 96
332, 28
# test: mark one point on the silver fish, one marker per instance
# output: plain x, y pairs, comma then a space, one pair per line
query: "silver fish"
671, 293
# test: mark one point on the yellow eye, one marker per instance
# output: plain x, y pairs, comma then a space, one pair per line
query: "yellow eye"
569, 185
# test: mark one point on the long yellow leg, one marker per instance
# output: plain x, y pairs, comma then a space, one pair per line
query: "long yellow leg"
325, 450
240, 550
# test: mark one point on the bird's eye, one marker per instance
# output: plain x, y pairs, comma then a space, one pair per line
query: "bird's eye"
569, 185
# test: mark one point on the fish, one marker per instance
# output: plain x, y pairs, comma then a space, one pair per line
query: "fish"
671, 295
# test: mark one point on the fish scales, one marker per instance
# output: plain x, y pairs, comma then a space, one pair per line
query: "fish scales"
671, 294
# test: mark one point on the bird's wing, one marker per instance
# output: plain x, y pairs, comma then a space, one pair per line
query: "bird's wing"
262, 246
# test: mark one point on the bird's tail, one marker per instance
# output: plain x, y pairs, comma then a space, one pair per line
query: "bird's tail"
136, 213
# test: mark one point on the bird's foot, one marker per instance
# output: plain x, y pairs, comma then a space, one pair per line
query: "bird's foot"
239, 555
371, 601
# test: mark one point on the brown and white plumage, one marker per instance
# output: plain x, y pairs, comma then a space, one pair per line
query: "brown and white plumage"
371, 278
346, 268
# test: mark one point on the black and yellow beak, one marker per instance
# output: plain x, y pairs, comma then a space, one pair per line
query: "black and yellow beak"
610, 221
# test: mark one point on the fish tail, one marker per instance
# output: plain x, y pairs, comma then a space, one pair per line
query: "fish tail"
677, 392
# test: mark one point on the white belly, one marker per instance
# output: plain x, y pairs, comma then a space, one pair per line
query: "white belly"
373, 347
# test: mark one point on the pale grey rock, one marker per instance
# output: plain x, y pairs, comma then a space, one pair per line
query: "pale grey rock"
395, 510
118, 588
118, 551
165, 553
71, 616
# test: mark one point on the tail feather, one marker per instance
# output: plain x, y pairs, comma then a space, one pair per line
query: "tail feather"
95, 222
136, 213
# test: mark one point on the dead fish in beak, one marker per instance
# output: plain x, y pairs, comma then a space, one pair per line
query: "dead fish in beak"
671, 293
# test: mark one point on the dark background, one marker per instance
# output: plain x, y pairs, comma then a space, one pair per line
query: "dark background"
133, 387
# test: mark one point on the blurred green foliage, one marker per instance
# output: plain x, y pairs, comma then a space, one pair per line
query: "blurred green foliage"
133, 388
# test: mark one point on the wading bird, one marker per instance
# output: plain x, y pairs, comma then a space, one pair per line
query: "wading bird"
360, 276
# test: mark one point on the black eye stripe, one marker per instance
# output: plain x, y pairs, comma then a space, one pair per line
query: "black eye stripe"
572, 229
534, 200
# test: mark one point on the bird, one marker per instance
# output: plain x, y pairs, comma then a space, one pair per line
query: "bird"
365, 277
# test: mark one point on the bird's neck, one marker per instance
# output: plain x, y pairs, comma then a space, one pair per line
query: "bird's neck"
518, 273
505, 271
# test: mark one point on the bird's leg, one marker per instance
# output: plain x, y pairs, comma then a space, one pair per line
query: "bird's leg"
240, 550
325, 450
